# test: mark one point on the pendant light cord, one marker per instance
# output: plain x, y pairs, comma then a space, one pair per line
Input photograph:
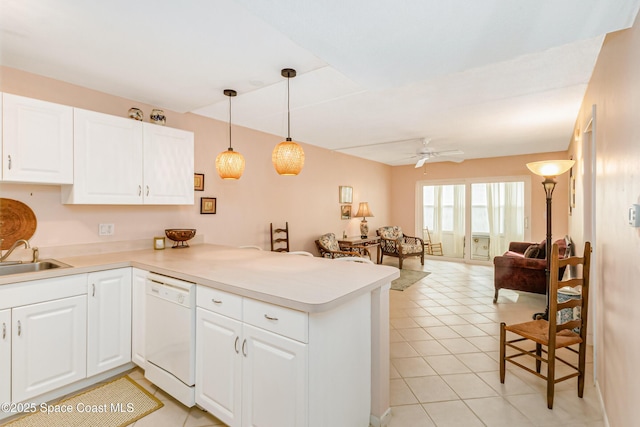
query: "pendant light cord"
230, 148
288, 112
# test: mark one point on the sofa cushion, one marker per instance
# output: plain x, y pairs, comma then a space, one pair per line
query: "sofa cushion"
533, 251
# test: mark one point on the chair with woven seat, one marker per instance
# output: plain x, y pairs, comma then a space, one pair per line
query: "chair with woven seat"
394, 243
559, 331
430, 247
329, 247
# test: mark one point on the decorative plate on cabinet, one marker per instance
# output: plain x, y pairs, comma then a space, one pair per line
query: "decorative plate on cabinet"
17, 221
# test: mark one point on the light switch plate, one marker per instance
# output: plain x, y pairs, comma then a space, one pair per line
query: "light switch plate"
634, 215
106, 230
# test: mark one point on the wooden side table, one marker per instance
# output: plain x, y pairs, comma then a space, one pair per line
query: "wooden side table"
357, 241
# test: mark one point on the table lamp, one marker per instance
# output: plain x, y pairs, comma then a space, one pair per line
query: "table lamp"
363, 212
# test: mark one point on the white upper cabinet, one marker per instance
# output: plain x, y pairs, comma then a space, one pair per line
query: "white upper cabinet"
37, 141
108, 160
120, 161
168, 165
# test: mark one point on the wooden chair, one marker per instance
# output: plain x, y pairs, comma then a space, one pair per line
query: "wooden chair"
280, 238
394, 243
430, 247
328, 247
555, 333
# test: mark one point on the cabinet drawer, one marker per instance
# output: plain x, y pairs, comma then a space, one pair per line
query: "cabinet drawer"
220, 302
280, 320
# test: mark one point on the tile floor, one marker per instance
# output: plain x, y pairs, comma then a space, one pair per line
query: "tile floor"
444, 356
444, 360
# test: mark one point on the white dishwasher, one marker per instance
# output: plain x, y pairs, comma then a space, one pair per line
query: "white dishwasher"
170, 336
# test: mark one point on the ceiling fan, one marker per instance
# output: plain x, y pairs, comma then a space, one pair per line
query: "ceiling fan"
425, 154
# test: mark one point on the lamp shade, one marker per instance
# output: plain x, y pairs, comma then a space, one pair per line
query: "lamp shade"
363, 210
230, 164
550, 168
288, 158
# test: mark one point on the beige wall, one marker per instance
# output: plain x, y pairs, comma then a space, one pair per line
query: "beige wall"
404, 179
309, 202
615, 91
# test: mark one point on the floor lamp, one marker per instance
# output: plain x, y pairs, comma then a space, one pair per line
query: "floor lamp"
549, 170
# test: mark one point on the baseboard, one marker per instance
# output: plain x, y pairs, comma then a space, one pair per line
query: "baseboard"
604, 411
383, 421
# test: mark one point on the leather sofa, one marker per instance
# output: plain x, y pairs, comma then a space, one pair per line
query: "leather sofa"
518, 272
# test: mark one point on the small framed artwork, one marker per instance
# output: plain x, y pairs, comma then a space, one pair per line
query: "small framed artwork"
207, 205
198, 181
345, 194
345, 212
158, 243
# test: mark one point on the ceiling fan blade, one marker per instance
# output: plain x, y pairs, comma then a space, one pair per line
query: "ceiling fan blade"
421, 162
450, 159
448, 153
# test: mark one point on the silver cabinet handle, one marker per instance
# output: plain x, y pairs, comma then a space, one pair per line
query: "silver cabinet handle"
235, 345
147, 190
19, 328
139, 190
266, 316
9, 165
4, 330
93, 292
244, 343
216, 301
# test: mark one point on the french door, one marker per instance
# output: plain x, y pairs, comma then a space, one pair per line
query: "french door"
474, 219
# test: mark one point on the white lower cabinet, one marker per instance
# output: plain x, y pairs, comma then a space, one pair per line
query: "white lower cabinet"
138, 312
274, 380
48, 346
5, 356
108, 320
247, 376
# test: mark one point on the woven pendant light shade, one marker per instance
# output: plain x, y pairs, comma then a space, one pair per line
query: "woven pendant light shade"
288, 158
230, 164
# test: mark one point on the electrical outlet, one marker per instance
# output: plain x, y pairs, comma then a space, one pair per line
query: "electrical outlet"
106, 230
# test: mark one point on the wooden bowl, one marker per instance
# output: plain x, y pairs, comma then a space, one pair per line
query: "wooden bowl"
180, 236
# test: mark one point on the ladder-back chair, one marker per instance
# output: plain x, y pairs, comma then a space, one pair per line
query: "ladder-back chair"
556, 332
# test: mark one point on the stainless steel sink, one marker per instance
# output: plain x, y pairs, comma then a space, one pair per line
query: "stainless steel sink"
45, 264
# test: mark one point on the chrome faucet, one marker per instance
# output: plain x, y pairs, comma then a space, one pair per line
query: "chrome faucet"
13, 247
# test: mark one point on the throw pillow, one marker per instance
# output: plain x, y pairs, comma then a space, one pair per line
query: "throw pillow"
533, 251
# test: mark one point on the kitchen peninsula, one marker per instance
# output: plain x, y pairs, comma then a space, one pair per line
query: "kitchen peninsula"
344, 307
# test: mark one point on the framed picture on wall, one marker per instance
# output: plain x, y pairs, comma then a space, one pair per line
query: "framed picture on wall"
345, 194
198, 181
345, 212
207, 205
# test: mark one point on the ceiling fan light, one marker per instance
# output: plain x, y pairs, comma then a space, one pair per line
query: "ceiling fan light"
230, 164
288, 158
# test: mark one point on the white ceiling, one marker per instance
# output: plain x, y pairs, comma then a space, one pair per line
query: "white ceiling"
490, 77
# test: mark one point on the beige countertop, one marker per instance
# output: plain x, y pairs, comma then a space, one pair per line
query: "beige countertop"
308, 284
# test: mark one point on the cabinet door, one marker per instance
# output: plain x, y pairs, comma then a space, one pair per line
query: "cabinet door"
108, 320
168, 166
49, 343
37, 141
218, 365
138, 313
107, 160
274, 385
5, 356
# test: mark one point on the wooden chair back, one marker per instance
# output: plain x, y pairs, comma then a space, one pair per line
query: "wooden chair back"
280, 238
429, 246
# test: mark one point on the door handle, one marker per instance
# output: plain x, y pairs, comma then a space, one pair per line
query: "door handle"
244, 343
235, 345
93, 293
4, 330
19, 328
9, 162
139, 190
147, 190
